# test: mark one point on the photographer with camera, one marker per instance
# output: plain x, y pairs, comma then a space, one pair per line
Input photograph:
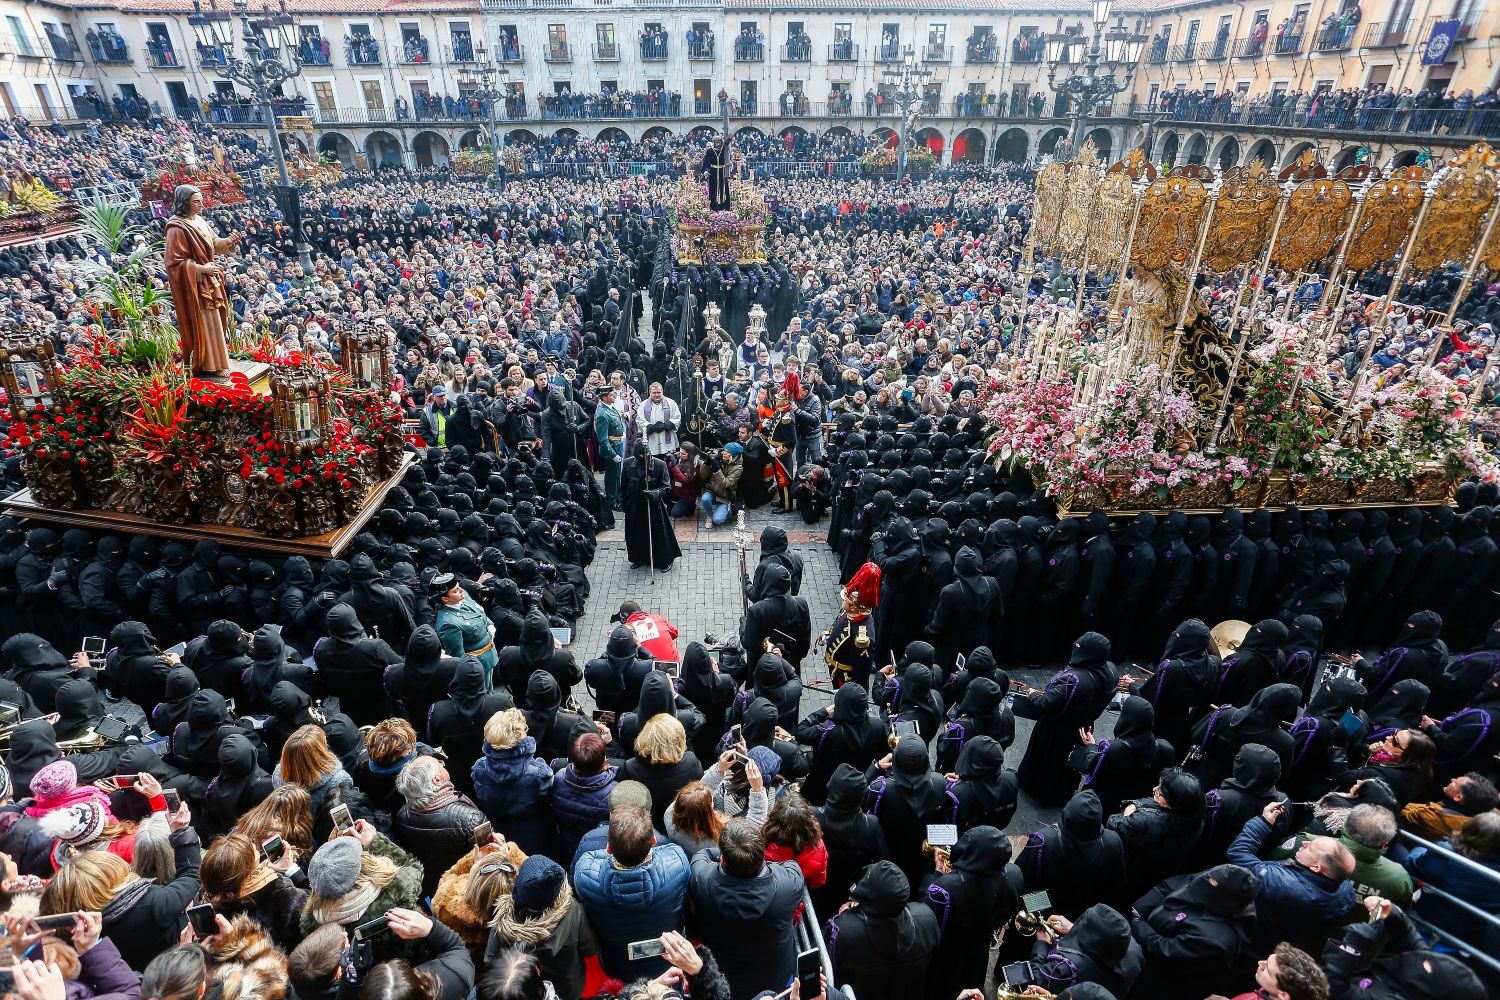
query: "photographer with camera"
689, 473
722, 495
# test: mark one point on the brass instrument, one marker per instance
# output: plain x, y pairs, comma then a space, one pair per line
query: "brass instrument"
1228, 636
1028, 923
1037, 992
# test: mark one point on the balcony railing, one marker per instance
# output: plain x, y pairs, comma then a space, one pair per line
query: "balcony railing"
63, 49
654, 49
1251, 48
843, 52
1186, 52
937, 53
416, 52
1335, 39
1386, 34
110, 49
558, 53
606, 53
162, 57
889, 53
749, 51
26, 47
1158, 54
363, 51
1484, 122
797, 51
1287, 45
310, 52
699, 51
982, 51
701, 108
510, 55
461, 50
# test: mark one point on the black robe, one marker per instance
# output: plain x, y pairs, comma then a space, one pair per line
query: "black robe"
1072, 700
649, 535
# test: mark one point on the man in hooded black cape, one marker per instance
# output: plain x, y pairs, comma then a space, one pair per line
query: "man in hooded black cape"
716, 170
649, 537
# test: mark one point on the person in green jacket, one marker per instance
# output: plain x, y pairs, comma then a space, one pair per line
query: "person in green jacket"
609, 433
462, 626
1368, 830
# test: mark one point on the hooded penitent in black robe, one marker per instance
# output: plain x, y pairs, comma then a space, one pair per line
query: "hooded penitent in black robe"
711, 692
1256, 664
1263, 721
457, 723
422, 679
966, 610
353, 664
1195, 931
882, 946
778, 618
1126, 765
847, 735
976, 897
1183, 683
1072, 700
905, 799
852, 837
1078, 862
649, 536
897, 621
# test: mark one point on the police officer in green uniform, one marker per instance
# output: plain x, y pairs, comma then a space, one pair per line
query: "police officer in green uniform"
609, 432
462, 626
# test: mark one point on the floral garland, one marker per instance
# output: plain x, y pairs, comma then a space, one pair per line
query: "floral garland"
334, 463
63, 432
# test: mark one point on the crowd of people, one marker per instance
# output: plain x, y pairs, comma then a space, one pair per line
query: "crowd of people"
381, 775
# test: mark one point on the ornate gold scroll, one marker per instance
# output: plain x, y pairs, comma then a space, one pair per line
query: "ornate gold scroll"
1051, 189
1391, 206
1171, 211
1315, 218
1078, 206
1463, 196
1243, 218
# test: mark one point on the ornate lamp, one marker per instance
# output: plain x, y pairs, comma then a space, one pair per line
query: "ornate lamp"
301, 413
364, 356
28, 368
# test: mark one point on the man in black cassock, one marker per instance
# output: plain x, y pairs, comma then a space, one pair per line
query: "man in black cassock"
716, 166
649, 537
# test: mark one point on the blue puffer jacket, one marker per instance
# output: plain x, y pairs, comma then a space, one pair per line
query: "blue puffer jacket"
632, 904
579, 803
1293, 902
513, 787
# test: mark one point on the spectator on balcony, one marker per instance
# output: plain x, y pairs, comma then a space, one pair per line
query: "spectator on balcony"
95, 50
890, 46
1258, 33
870, 101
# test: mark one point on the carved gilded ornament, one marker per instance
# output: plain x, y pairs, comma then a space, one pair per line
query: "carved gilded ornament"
1451, 227
1243, 219
1110, 223
1051, 190
1078, 206
1171, 213
1315, 219
1391, 207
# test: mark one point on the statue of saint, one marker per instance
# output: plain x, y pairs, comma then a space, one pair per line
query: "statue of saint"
199, 294
716, 166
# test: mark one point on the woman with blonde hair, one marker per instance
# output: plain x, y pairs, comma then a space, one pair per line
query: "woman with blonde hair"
467, 893
307, 761
285, 813
237, 879
355, 878
141, 917
512, 785
662, 763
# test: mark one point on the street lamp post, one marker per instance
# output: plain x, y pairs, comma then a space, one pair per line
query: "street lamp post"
269, 60
906, 82
1118, 49
488, 86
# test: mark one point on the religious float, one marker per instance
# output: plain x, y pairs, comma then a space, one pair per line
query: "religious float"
736, 235
290, 451
29, 209
1156, 407
220, 185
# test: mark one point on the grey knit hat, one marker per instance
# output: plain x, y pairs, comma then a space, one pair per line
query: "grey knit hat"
334, 868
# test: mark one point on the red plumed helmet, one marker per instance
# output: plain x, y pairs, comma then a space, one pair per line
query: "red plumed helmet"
792, 386
864, 588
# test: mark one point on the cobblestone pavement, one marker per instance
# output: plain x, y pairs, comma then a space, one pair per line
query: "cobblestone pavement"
700, 594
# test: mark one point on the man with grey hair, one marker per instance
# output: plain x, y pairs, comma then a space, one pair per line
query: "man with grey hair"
1368, 832
436, 824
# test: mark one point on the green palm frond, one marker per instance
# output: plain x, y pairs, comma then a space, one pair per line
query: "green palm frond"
108, 224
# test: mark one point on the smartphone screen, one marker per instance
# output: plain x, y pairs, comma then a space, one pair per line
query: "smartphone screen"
174, 801
904, 729
1017, 973
484, 834
735, 736
605, 716
341, 817
377, 926
202, 919
668, 667
272, 849
125, 780
808, 968
56, 921
650, 948
93, 645
564, 636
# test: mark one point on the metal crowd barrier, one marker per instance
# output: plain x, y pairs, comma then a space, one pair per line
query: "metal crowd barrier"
1475, 869
810, 935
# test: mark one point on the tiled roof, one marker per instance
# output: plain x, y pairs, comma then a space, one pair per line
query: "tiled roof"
1039, 7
